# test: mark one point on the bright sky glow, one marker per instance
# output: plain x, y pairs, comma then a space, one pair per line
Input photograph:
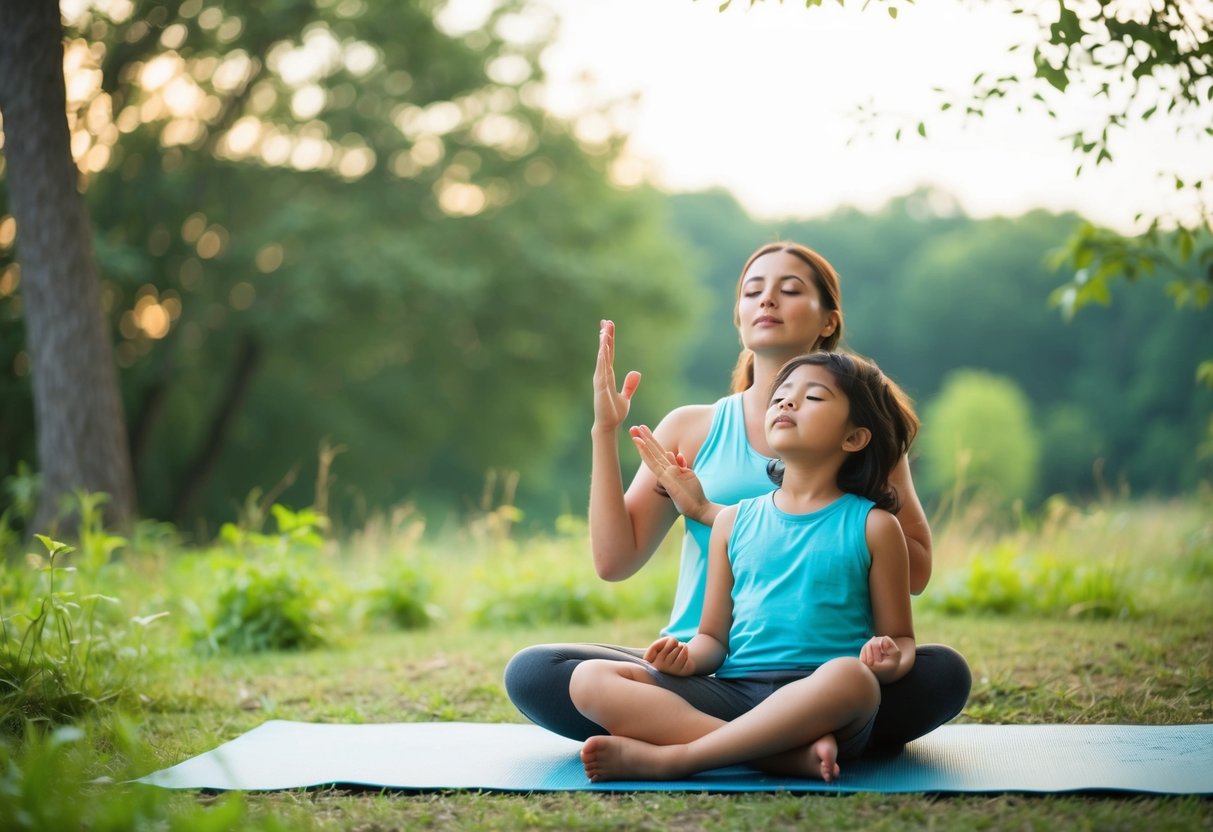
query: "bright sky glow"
762, 101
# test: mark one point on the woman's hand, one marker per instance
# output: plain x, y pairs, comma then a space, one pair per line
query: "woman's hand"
669, 655
883, 655
673, 475
610, 405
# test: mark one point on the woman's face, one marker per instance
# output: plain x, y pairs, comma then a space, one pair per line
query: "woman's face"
779, 306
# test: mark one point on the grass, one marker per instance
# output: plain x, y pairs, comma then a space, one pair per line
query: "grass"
1153, 666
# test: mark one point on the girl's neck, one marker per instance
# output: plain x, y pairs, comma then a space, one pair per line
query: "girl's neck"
809, 486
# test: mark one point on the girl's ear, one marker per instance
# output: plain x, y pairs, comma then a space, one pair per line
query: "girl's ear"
856, 440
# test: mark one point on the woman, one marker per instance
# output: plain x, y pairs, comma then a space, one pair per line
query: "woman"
788, 303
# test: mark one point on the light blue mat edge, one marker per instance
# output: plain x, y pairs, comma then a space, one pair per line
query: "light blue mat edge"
509, 757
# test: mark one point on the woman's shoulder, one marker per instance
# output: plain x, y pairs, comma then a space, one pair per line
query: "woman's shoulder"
690, 422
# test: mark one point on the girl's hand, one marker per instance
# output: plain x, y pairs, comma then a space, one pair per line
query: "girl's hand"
669, 655
673, 475
610, 405
882, 655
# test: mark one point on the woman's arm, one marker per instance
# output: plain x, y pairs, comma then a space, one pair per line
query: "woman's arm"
914, 526
891, 653
625, 529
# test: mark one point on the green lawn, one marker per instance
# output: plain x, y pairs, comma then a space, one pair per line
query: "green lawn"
1152, 666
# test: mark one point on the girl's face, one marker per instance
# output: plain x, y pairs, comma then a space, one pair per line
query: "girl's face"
779, 306
808, 412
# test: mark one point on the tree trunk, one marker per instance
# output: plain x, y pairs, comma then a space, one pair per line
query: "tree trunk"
82, 443
248, 356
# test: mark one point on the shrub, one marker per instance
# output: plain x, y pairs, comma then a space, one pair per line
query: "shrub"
404, 598
1005, 583
45, 784
978, 437
60, 657
272, 604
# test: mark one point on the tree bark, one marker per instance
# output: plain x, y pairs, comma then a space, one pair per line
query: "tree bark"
248, 356
82, 442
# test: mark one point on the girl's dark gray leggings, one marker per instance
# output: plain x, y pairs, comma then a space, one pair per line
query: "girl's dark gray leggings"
933, 692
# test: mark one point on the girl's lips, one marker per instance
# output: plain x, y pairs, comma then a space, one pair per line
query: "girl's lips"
781, 420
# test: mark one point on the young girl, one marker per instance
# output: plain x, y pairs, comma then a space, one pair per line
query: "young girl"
807, 606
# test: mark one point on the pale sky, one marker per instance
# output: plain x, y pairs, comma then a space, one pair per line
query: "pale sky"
762, 102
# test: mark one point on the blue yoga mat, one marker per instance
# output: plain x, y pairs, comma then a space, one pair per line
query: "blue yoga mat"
1171, 759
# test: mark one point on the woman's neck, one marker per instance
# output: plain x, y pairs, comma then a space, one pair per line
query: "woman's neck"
766, 367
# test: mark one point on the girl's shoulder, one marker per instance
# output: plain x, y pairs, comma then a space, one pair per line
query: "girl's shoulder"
883, 532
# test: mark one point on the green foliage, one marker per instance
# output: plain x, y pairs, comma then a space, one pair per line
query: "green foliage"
404, 597
273, 590
1005, 582
364, 222
549, 581
277, 602
45, 785
61, 656
978, 438
298, 531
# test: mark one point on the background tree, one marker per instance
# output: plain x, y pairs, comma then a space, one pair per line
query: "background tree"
929, 291
81, 438
978, 439
352, 221
1125, 63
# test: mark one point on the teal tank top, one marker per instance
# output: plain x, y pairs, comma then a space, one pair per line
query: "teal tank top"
730, 471
800, 586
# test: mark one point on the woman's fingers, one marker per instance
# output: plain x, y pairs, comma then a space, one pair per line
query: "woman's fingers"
630, 382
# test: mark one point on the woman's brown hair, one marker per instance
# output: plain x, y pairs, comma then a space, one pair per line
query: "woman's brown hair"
826, 281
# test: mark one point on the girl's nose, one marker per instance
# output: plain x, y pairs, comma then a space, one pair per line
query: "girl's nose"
786, 403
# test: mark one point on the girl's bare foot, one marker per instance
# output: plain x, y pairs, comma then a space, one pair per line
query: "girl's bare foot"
816, 761
621, 758
826, 752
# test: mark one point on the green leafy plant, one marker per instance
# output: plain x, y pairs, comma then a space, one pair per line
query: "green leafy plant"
61, 657
47, 782
404, 598
301, 530
96, 545
1004, 582
277, 603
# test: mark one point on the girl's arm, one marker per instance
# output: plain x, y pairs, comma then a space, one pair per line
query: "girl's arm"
914, 526
625, 529
705, 652
675, 477
891, 653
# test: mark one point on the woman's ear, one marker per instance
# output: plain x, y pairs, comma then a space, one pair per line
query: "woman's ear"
831, 325
856, 440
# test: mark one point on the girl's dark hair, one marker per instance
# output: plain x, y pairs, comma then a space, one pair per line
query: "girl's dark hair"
826, 280
876, 403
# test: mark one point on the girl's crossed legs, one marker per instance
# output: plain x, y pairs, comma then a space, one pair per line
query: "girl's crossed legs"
796, 725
